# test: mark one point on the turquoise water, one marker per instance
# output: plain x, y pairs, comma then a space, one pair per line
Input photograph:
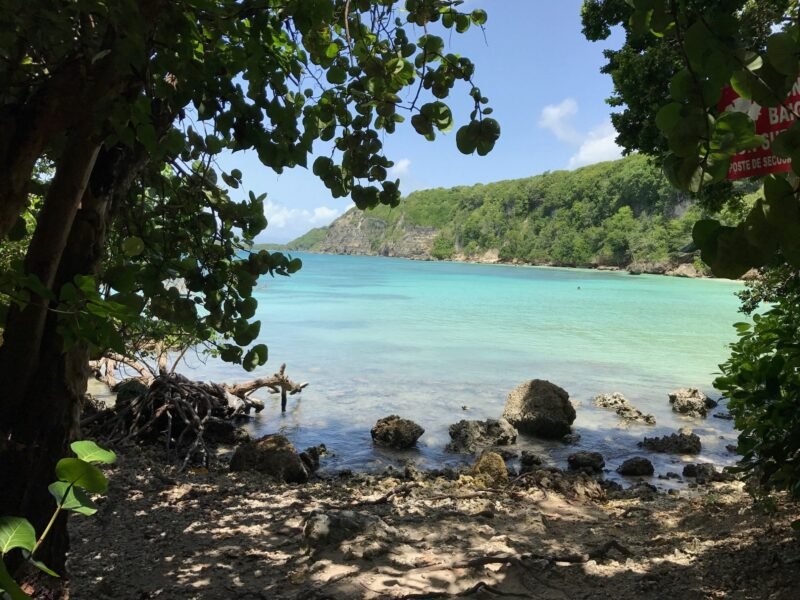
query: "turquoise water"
377, 336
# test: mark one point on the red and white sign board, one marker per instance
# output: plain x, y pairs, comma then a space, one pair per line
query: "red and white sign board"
770, 121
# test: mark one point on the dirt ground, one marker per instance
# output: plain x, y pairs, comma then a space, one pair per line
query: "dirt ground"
214, 534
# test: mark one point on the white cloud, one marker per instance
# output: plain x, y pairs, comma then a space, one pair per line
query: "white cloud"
281, 217
595, 146
557, 118
598, 146
400, 168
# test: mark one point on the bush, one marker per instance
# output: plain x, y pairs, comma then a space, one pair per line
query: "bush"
762, 381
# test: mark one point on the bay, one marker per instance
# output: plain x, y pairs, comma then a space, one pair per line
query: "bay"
437, 342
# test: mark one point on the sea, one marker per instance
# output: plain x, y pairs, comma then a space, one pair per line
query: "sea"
437, 342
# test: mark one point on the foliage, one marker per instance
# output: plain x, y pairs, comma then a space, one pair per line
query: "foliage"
776, 284
77, 478
308, 240
761, 379
609, 213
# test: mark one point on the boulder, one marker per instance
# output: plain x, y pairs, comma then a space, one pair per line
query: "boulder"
638, 465
691, 402
540, 408
470, 436
588, 462
274, 456
530, 459
490, 469
220, 431
676, 443
619, 404
394, 432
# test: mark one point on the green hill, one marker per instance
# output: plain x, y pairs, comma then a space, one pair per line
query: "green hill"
614, 213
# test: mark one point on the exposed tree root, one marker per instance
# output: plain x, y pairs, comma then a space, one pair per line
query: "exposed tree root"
185, 413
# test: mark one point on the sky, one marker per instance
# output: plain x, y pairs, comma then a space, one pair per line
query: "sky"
543, 80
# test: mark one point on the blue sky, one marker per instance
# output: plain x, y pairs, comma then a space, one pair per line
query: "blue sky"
543, 80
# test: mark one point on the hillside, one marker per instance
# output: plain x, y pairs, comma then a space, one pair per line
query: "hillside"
615, 214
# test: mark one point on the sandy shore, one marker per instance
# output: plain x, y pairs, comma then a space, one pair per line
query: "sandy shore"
214, 534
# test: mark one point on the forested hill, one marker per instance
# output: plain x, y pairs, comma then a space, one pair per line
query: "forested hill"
618, 214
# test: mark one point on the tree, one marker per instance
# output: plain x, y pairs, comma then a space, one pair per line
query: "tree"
753, 48
133, 102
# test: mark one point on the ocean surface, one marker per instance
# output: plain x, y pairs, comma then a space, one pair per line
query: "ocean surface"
438, 342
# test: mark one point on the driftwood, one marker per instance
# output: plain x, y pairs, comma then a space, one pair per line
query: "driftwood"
187, 413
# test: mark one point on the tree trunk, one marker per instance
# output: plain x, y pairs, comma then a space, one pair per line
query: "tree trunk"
39, 419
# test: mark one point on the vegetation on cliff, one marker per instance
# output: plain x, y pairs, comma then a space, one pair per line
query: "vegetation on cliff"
612, 213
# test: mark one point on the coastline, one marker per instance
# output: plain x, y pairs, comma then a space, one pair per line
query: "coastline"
660, 269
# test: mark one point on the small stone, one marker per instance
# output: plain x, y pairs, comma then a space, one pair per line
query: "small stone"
530, 459
571, 438
619, 404
589, 462
638, 465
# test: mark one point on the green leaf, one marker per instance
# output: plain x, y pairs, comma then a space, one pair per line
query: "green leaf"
479, 16
466, 140
71, 498
783, 52
40, 565
81, 474
133, 246
9, 586
92, 453
256, 357
16, 532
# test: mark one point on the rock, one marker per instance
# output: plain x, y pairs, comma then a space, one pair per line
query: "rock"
619, 404
540, 408
676, 443
588, 462
724, 416
572, 485
732, 448
704, 473
394, 432
641, 490
685, 270
470, 436
219, 431
571, 438
274, 456
358, 535
490, 469
530, 459
129, 389
691, 402
310, 456
638, 465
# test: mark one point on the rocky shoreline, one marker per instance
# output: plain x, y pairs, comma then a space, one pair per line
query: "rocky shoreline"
213, 534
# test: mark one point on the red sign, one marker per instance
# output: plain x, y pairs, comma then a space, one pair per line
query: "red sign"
770, 121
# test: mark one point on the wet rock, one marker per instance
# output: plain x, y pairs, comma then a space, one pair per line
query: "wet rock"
705, 473
358, 535
571, 438
732, 448
470, 436
274, 456
129, 389
310, 456
723, 416
676, 443
540, 408
619, 404
588, 462
490, 469
530, 459
638, 465
641, 490
691, 402
220, 431
394, 432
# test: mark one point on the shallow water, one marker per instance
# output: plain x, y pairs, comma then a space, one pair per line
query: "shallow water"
377, 336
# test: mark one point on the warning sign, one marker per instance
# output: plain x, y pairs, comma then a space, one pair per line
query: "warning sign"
770, 121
